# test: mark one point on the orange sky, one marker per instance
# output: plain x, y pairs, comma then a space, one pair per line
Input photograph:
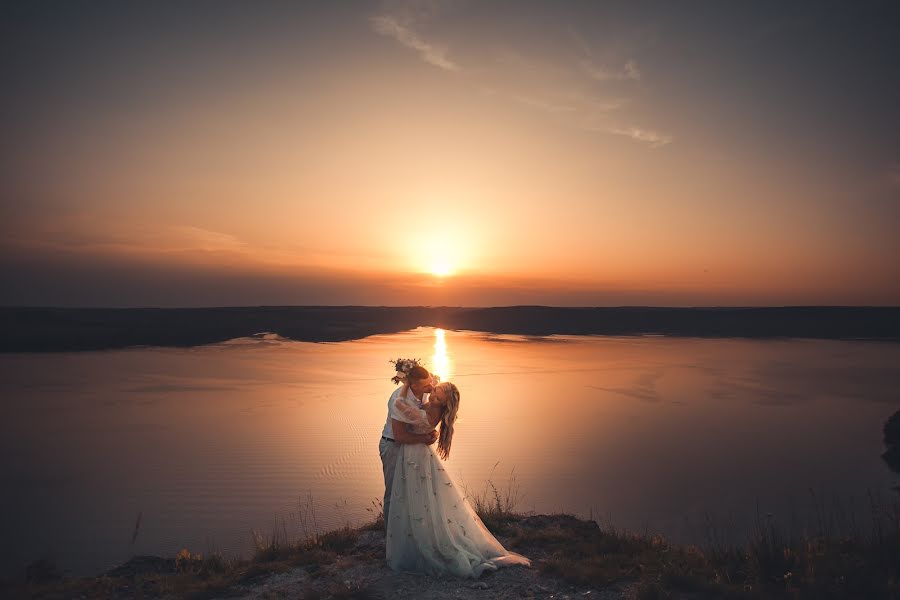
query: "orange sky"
340, 156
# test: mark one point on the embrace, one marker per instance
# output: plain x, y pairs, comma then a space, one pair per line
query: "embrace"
431, 528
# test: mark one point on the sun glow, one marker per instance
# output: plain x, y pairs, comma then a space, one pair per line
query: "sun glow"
441, 268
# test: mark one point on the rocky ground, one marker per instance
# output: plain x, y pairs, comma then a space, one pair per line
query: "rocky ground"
350, 564
362, 573
572, 558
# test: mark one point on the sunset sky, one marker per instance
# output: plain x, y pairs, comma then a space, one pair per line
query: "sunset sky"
449, 153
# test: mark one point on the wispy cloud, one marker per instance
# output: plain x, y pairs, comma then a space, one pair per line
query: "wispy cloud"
188, 237
96, 238
433, 54
565, 95
631, 70
591, 114
596, 72
90, 234
893, 175
590, 66
576, 90
647, 136
543, 104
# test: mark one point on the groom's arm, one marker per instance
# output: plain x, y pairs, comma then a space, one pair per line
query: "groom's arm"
403, 436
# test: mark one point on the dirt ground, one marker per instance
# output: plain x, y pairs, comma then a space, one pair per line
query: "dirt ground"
363, 574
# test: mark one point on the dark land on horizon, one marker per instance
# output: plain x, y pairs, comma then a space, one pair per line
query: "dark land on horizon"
73, 329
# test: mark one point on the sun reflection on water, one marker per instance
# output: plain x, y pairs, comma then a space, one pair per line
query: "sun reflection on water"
440, 360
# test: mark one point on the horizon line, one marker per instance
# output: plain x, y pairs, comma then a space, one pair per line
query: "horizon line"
459, 307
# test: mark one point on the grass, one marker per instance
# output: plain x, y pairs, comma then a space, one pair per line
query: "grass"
496, 506
377, 512
836, 556
198, 577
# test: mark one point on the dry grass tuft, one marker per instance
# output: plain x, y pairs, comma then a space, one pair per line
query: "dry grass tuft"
496, 506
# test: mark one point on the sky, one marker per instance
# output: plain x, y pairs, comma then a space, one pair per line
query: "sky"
449, 153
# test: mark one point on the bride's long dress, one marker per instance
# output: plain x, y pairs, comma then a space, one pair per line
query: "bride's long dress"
431, 528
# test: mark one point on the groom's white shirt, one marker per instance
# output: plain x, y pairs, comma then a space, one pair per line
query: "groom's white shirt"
393, 413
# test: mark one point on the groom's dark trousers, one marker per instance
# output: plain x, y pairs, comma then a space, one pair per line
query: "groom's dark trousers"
388, 451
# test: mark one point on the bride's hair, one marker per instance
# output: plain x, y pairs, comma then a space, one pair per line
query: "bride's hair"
448, 418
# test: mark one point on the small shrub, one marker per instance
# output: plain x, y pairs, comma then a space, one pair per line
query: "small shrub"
377, 511
340, 540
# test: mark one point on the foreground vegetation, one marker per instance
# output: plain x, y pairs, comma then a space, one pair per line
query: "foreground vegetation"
840, 559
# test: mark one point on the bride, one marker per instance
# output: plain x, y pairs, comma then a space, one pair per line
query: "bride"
431, 528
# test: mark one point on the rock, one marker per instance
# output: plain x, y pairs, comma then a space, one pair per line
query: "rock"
479, 585
142, 565
370, 539
567, 522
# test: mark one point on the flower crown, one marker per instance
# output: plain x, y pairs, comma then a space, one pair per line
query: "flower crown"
404, 366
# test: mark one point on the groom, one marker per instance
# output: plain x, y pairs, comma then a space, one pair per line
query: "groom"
395, 432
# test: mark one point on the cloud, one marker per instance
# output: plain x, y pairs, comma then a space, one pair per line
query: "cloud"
100, 239
85, 239
893, 175
632, 71
585, 111
588, 65
572, 92
543, 104
391, 26
654, 138
580, 41
560, 89
90, 234
187, 238
629, 71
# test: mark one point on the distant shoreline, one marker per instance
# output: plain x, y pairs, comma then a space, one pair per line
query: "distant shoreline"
82, 329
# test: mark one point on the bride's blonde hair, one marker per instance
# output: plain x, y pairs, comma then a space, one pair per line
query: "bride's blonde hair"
448, 418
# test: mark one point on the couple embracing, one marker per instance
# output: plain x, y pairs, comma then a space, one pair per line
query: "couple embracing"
431, 529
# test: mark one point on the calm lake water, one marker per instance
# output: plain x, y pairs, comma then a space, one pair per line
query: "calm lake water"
208, 444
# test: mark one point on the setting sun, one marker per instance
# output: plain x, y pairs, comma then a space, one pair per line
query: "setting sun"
441, 268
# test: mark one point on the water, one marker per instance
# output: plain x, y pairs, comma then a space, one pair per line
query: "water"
209, 443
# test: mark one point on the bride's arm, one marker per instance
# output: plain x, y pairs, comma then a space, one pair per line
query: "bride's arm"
403, 435
409, 417
415, 416
412, 415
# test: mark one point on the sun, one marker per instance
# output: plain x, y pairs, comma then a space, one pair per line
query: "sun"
437, 259
441, 268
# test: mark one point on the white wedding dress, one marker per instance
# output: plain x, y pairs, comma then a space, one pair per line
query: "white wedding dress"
431, 528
